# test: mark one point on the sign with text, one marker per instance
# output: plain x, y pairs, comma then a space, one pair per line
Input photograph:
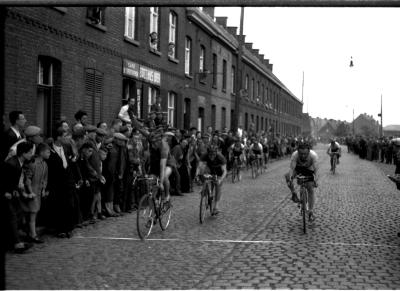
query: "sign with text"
144, 73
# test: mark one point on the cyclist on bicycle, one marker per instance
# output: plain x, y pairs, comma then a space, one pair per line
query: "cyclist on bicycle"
161, 161
255, 150
236, 150
334, 149
304, 162
213, 163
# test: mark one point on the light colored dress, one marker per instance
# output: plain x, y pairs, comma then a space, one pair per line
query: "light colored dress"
36, 174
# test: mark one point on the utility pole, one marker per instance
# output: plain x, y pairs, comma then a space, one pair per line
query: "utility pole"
380, 115
237, 120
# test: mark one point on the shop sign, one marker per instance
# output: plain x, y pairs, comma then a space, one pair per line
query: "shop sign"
131, 69
144, 73
150, 75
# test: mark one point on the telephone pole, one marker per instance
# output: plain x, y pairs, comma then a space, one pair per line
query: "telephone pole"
237, 120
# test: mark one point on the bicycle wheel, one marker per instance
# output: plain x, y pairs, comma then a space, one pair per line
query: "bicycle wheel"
145, 216
303, 197
203, 204
253, 170
165, 213
334, 165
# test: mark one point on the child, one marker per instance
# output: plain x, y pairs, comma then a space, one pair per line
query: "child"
35, 182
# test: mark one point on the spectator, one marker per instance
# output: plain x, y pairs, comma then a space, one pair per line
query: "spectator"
33, 134
126, 112
10, 190
36, 174
14, 133
81, 119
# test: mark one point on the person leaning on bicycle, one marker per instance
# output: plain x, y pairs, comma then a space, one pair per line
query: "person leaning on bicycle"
304, 162
213, 163
334, 148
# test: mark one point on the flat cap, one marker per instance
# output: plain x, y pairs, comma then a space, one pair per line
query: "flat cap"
90, 128
32, 130
120, 136
101, 132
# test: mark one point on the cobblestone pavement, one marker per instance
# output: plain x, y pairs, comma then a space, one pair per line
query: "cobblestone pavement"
256, 242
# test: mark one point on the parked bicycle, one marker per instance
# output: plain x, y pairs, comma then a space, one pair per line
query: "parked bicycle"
207, 195
152, 208
303, 204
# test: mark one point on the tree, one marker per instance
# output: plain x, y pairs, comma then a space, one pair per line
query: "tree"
343, 129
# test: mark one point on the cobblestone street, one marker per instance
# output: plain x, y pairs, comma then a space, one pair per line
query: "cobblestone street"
256, 242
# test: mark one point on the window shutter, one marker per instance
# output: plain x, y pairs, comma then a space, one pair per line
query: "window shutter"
94, 95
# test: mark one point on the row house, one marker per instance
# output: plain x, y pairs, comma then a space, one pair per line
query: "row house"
57, 60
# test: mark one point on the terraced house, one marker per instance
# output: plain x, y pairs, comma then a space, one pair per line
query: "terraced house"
57, 60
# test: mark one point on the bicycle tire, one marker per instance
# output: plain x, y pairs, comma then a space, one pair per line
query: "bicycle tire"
203, 204
145, 216
234, 171
303, 195
253, 170
164, 217
334, 165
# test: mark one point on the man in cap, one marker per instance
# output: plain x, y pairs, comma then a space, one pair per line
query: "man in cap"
32, 134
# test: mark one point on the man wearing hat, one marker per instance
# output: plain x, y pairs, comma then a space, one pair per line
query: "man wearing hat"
32, 134
119, 143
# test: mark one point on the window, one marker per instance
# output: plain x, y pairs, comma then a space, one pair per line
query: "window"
172, 35
215, 68
224, 75
200, 119
252, 89
94, 94
246, 121
258, 91
130, 22
129, 90
246, 83
153, 93
45, 72
48, 99
223, 117
263, 94
233, 79
188, 52
96, 15
202, 59
154, 23
171, 108
186, 113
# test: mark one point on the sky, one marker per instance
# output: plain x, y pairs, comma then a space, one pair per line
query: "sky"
320, 42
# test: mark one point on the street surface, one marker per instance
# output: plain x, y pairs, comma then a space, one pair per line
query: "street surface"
256, 242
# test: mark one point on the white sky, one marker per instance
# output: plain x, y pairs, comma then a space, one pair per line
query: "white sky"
320, 42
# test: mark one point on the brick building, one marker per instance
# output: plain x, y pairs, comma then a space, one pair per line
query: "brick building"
55, 61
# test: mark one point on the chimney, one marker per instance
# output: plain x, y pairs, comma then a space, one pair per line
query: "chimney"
255, 52
270, 66
261, 57
249, 45
221, 20
232, 30
266, 62
209, 10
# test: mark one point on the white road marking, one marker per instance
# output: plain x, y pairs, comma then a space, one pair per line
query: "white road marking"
236, 241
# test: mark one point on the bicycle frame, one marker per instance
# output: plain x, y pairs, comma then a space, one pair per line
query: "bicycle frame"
208, 187
304, 207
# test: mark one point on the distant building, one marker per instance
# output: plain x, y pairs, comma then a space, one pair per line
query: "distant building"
326, 132
391, 130
366, 125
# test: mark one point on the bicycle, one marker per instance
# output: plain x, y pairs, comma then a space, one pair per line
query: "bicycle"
207, 195
152, 207
255, 167
334, 162
304, 208
236, 169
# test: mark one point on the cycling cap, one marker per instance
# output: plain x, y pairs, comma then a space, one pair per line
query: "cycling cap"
304, 145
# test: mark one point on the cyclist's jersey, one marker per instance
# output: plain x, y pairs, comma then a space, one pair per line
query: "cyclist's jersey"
335, 148
237, 151
215, 165
156, 154
307, 167
256, 148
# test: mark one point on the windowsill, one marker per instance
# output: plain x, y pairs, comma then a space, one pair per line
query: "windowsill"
189, 76
131, 41
203, 82
97, 26
214, 86
44, 85
62, 10
173, 60
233, 94
223, 90
156, 52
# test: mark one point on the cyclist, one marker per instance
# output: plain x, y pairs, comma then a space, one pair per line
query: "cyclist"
213, 163
304, 162
237, 150
265, 146
161, 161
255, 150
334, 148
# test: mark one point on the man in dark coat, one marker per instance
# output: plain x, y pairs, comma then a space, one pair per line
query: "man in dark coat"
14, 133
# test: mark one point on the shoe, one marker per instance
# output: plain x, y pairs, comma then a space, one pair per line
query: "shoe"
101, 216
35, 240
311, 217
215, 212
22, 248
295, 199
62, 235
117, 209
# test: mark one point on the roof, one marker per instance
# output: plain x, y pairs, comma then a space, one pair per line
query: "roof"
393, 127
